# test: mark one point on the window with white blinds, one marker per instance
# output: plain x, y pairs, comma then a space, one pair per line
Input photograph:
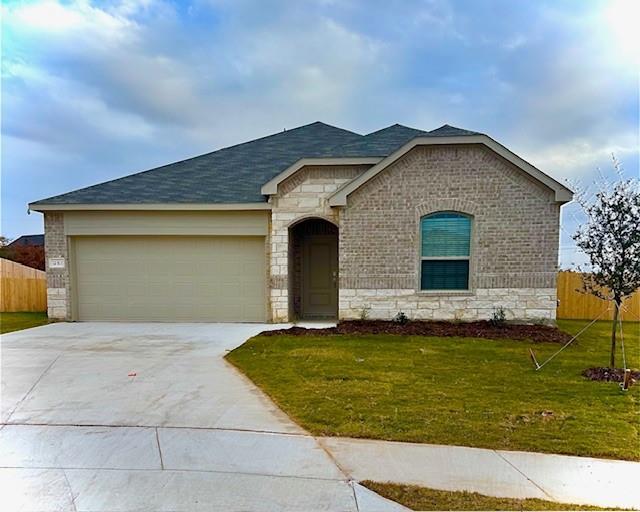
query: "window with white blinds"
445, 251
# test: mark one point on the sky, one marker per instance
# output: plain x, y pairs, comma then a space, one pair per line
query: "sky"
92, 91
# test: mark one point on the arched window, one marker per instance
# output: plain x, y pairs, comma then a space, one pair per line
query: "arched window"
445, 251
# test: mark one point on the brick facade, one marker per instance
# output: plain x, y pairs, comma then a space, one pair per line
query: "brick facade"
514, 237
58, 282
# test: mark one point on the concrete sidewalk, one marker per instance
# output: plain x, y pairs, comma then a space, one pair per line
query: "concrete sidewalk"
577, 480
149, 417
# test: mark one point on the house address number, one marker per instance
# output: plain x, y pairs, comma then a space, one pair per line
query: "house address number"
56, 262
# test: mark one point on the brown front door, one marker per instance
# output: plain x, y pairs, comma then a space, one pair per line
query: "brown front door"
320, 276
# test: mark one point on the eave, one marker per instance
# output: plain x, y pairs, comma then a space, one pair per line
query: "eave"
271, 187
150, 206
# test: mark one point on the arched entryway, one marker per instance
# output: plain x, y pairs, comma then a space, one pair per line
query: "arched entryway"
313, 269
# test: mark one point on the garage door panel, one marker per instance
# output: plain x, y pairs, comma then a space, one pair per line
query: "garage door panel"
170, 278
250, 289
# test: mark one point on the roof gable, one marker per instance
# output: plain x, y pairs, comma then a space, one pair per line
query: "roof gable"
369, 149
562, 193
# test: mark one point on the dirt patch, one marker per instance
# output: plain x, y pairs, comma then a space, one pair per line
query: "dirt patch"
609, 375
480, 329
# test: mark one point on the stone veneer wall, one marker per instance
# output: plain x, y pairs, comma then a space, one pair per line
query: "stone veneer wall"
529, 304
514, 238
301, 196
58, 283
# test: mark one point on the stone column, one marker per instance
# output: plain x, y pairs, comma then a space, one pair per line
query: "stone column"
279, 266
58, 285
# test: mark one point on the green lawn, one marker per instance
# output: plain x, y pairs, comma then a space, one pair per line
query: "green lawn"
461, 391
421, 498
17, 321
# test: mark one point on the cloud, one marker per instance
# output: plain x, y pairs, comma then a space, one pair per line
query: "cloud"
32, 93
53, 18
580, 158
515, 42
105, 52
249, 69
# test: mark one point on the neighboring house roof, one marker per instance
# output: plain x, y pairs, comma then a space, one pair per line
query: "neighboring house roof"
245, 173
37, 240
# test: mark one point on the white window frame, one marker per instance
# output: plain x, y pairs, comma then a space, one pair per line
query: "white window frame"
453, 291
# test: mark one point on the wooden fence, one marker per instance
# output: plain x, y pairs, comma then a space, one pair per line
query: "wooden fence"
25, 289
573, 304
22, 288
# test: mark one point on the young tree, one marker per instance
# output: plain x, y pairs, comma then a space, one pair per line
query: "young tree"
611, 240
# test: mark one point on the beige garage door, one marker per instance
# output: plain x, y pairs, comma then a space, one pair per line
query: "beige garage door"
170, 278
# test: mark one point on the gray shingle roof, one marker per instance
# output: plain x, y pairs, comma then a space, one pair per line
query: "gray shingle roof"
230, 175
380, 143
235, 174
28, 240
450, 131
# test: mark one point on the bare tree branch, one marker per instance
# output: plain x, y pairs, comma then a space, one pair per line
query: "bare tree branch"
611, 239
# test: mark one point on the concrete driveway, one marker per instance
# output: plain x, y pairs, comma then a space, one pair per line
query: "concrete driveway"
150, 417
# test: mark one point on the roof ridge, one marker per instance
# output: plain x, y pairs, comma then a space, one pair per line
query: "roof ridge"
260, 138
391, 126
450, 126
243, 143
371, 138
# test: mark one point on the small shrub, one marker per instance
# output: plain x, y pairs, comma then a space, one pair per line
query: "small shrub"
400, 318
364, 312
499, 317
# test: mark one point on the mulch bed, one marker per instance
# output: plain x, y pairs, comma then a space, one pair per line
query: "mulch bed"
479, 329
609, 375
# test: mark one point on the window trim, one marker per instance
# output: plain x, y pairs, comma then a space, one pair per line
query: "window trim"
446, 291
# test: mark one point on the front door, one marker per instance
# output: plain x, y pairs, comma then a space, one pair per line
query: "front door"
320, 276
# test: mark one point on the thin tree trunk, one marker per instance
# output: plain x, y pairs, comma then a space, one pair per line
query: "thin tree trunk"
612, 359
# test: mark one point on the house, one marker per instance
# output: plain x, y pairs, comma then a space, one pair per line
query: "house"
28, 241
313, 222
